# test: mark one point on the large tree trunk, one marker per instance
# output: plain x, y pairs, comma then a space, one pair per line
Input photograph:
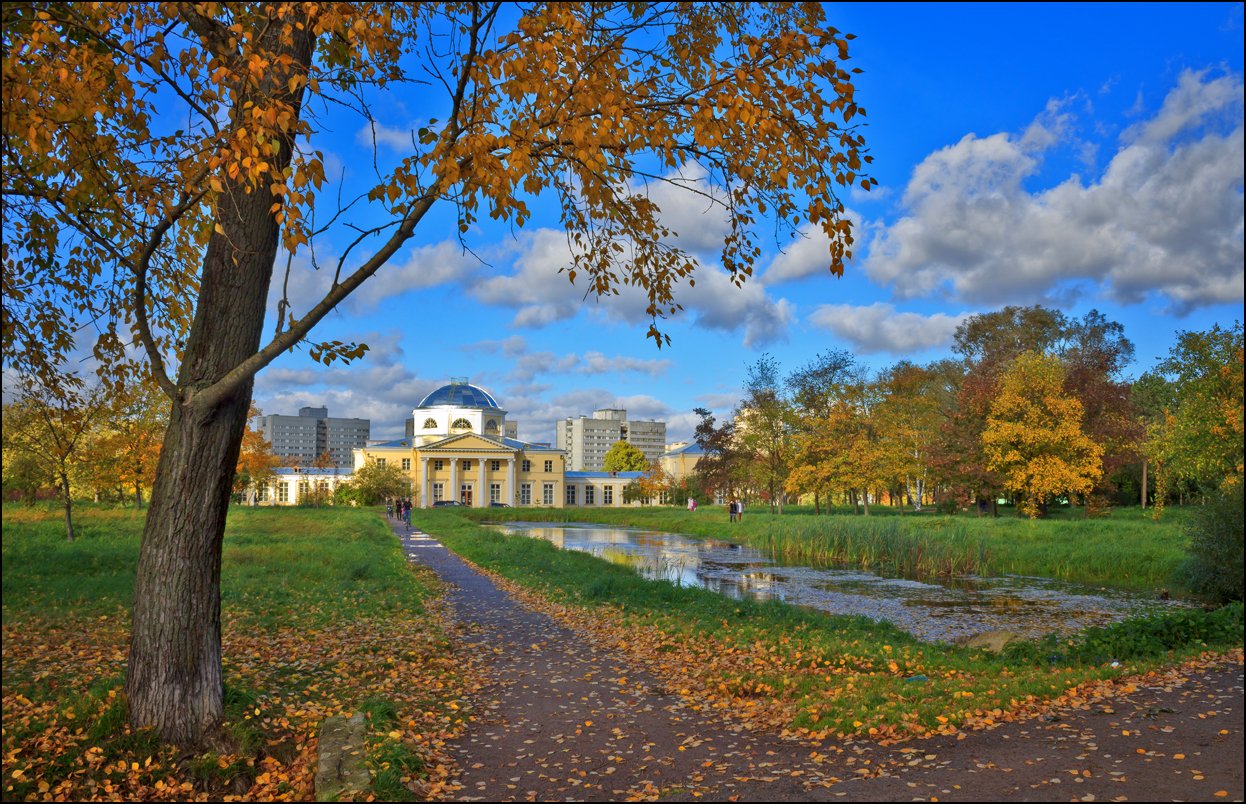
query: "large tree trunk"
174, 682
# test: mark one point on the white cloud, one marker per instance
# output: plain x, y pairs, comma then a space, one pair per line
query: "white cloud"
543, 296
879, 328
394, 137
1164, 217
692, 207
809, 254
424, 267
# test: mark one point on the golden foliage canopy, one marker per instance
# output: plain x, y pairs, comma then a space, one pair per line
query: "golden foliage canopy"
1034, 435
126, 123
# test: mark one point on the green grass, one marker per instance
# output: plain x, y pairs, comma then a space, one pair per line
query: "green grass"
1125, 550
835, 674
321, 613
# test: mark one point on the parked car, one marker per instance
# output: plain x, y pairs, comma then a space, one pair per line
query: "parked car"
447, 503
499, 505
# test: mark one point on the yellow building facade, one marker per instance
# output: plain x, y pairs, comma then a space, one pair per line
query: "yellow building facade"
458, 453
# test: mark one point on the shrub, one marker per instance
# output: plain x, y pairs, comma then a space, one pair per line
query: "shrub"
1214, 568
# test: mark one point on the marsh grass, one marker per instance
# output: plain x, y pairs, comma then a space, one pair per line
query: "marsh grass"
1121, 551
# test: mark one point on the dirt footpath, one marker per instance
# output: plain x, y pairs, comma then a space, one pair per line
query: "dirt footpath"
567, 721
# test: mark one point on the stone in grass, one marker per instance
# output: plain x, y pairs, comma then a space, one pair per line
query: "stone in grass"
991, 640
341, 764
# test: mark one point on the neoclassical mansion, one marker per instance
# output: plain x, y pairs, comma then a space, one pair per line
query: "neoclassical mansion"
461, 448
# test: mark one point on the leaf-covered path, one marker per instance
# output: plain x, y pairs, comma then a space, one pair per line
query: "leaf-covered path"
566, 720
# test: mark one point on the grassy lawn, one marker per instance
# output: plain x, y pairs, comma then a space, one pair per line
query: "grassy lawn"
1125, 550
321, 616
780, 666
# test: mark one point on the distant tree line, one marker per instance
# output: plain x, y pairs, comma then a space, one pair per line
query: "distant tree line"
1035, 408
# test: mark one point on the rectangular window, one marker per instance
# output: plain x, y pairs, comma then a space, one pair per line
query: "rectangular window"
438, 465
525, 494
495, 465
439, 491
570, 495
304, 489
380, 462
549, 466
589, 495
607, 495
547, 493
467, 466
527, 466
495, 492
283, 492
406, 464
261, 493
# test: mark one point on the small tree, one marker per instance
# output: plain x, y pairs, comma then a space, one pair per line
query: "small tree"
256, 460
50, 426
374, 482
1214, 569
624, 457
1034, 437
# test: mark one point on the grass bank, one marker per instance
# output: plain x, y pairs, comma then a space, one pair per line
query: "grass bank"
780, 666
1123, 551
321, 616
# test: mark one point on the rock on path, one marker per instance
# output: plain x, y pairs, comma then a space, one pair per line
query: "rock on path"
564, 720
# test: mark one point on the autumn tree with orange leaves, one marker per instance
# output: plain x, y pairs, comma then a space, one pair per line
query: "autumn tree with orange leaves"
256, 460
1034, 437
158, 155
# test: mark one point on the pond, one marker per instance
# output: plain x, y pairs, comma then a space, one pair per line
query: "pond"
958, 607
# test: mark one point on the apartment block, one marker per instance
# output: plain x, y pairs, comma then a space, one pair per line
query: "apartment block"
301, 439
587, 440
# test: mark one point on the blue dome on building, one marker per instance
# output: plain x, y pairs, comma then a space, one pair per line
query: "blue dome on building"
460, 395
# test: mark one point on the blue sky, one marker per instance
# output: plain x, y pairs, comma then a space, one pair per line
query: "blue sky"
1079, 156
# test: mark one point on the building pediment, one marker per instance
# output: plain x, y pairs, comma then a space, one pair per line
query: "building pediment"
468, 442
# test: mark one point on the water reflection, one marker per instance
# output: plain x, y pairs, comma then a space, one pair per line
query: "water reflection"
967, 605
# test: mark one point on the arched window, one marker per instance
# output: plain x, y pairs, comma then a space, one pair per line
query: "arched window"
461, 424
491, 426
430, 424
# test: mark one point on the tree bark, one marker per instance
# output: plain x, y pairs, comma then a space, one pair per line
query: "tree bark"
174, 682
69, 518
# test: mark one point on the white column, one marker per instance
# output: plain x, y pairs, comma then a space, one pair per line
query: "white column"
510, 480
425, 497
481, 500
454, 479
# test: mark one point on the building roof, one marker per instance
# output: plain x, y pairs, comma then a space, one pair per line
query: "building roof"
605, 475
311, 470
459, 395
395, 444
528, 446
688, 449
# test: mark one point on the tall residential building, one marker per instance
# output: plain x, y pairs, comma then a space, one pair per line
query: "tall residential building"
586, 441
301, 439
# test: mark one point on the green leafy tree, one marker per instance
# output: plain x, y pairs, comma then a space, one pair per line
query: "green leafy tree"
623, 456
1205, 431
163, 224
764, 430
374, 482
1214, 569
